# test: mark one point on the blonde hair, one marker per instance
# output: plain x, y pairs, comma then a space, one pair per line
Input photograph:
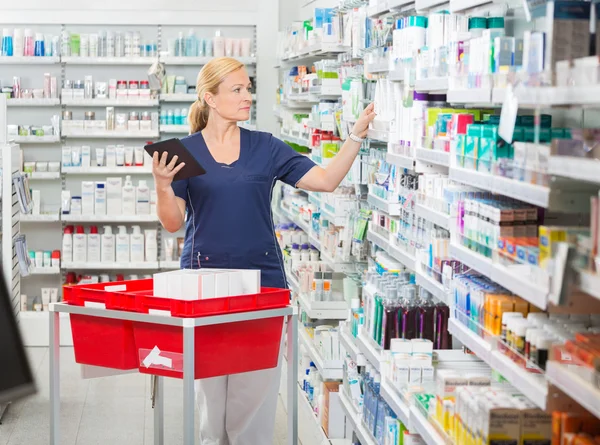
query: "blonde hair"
209, 79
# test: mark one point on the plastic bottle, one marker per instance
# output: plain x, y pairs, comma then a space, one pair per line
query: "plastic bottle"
129, 203
108, 246
67, 244
39, 45
408, 313
150, 239
137, 245
93, 245
218, 45
79, 245
7, 43
142, 205
28, 43
294, 257
425, 316
122, 245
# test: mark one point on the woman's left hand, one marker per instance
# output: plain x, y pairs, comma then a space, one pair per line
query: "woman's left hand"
361, 126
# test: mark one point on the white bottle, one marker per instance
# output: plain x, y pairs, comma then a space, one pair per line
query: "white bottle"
128, 195
67, 245
122, 243
93, 245
79, 245
153, 202
142, 199
137, 245
151, 245
108, 246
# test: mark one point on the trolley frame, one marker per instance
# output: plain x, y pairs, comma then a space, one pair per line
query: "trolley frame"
187, 324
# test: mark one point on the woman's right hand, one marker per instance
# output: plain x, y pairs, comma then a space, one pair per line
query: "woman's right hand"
164, 173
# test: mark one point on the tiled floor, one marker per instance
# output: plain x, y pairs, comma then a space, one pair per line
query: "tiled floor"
106, 411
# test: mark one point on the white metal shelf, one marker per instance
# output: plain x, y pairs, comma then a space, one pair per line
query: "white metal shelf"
378, 135
378, 239
518, 279
42, 217
590, 283
350, 346
44, 175
324, 310
179, 129
118, 102
112, 134
438, 218
338, 266
354, 417
51, 139
73, 60
181, 97
580, 390
394, 400
295, 140
329, 369
419, 424
432, 84
52, 270
134, 170
146, 265
110, 218
391, 208
309, 427
378, 67
481, 96
533, 386
436, 157
431, 285
579, 169
403, 256
197, 61
22, 60
33, 102
314, 52
369, 348
400, 160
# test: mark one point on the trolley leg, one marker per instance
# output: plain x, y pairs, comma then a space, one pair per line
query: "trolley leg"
159, 411
188, 385
54, 378
292, 358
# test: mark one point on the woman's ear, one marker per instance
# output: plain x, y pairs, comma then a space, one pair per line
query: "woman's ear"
209, 100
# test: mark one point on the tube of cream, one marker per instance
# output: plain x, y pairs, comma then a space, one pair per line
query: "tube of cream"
65, 198
45, 298
100, 157
76, 156
23, 303
169, 247
139, 156
53, 295
120, 152
128, 156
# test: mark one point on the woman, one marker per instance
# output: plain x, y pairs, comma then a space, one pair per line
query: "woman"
229, 225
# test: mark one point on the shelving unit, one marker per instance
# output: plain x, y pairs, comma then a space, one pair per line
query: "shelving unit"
111, 134
33, 102
329, 369
70, 60
354, 418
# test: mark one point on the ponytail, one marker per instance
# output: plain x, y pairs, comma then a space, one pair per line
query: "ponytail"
198, 116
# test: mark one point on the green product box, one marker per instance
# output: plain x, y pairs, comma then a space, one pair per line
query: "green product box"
519, 134
472, 146
545, 135
487, 144
557, 133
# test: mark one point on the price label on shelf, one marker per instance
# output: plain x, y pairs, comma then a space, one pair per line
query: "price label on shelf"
508, 116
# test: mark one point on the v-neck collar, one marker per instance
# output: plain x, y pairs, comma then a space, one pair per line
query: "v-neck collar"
238, 161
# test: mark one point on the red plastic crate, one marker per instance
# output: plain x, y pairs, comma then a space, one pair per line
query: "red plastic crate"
223, 349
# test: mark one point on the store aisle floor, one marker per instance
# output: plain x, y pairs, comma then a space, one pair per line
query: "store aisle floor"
114, 411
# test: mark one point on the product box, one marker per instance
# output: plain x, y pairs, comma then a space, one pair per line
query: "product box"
197, 284
88, 191
332, 419
114, 196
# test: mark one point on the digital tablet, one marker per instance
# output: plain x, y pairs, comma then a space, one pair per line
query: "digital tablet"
175, 147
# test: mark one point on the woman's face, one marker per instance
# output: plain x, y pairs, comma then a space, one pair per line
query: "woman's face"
234, 98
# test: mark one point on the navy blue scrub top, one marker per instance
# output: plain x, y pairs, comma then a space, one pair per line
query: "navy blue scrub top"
229, 223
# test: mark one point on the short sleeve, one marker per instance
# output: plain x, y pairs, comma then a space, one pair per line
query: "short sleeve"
181, 189
289, 165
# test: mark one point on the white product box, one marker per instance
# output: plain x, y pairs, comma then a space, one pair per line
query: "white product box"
88, 190
111, 156
206, 283
86, 156
113, 196
36, 197
145, 125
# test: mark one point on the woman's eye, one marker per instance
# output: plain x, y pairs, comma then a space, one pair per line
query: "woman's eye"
237, 90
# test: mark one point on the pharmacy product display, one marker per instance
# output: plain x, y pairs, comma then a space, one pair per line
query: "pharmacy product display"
480, 205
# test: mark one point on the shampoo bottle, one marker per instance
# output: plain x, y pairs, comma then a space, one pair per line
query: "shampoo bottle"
79, 245
128, 195
137, 245
93, 245
122, 244
151, 245
142, 199
67, 245
108, 246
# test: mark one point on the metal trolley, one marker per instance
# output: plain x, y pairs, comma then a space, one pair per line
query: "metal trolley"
188, 325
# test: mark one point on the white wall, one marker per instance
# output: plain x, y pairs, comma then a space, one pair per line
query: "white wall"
262, 13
